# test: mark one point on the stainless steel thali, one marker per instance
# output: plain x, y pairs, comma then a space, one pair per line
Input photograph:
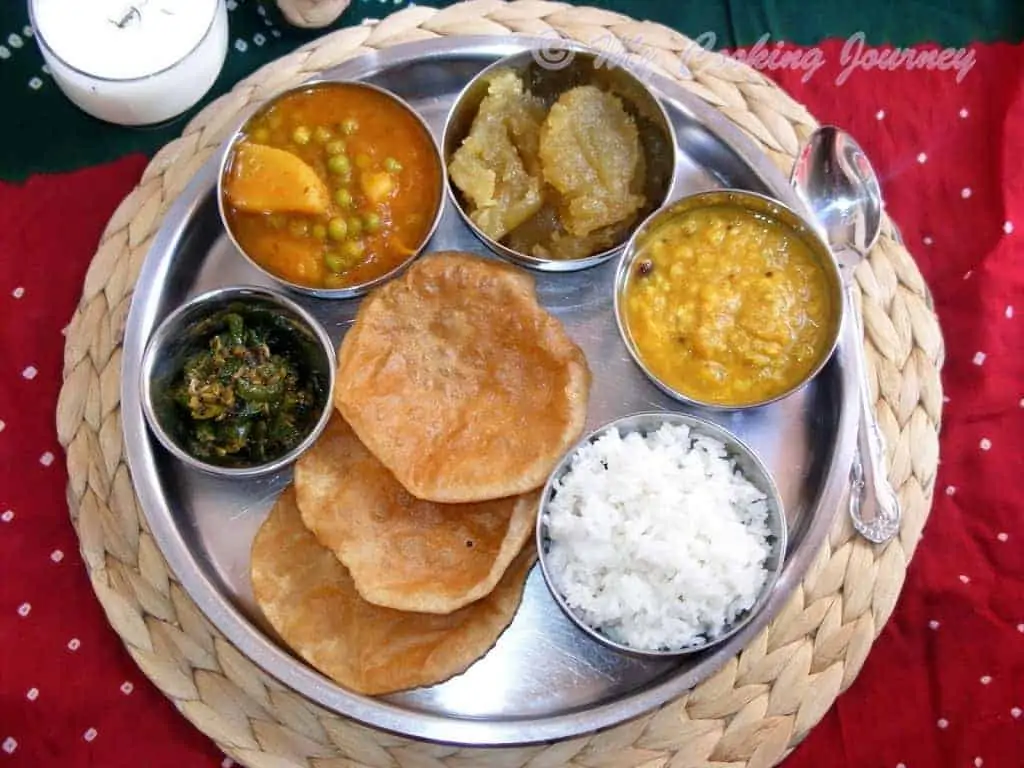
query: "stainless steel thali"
544, 680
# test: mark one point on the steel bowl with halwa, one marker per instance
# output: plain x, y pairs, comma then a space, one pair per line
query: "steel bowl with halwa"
728, 299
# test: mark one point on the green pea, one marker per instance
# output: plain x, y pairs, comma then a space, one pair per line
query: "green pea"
343, 198
322, 135
337, 228
353, 250
392, 166
355, 227
371, 221
335, 147
349, 126
298, 227
319, 231
334, 261
339, 164
261, 135
301, 135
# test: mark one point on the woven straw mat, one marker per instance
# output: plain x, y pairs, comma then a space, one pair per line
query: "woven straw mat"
751, 713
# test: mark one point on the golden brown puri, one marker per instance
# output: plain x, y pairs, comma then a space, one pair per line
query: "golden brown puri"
402, 552
310, 600
460, 382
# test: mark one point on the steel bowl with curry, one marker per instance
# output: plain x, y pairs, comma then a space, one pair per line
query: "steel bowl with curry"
728, 299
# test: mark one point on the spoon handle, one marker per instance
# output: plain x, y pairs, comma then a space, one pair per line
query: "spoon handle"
874, 506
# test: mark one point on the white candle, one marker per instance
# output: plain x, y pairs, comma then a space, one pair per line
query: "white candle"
132, 63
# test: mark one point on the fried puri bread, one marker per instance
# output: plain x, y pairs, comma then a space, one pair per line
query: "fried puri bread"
309, 598
460, 382
402, 552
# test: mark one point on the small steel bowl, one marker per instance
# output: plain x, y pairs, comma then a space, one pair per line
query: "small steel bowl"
752, 468
758, 205
349, 291
187, 330
548, 73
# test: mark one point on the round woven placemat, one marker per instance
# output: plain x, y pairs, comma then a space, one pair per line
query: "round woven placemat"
752, 712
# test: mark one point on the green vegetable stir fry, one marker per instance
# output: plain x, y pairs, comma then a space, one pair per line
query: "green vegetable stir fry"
245, 401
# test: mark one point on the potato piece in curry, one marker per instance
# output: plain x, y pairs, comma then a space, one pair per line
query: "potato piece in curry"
334, 185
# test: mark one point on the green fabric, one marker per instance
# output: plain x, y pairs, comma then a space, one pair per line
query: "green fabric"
40, 131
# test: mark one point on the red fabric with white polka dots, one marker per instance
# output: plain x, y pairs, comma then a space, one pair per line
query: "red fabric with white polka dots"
944, 685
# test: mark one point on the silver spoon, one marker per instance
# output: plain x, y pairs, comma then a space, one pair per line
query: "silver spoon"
834, 177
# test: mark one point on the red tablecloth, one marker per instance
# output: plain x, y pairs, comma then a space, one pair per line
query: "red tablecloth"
944, 685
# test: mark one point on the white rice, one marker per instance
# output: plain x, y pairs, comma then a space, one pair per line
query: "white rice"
657, 542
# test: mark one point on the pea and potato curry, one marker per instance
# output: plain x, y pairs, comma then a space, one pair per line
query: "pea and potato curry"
332, 186
727, 306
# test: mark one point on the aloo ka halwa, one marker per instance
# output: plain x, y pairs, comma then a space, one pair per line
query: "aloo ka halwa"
728, 307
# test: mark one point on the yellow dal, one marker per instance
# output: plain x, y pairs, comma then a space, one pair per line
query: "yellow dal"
728, 307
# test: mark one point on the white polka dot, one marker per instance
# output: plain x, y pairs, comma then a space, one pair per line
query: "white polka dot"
241, 46
922, 158
24, 609
1003, 536
10, 744
74, 644
1020, 627
880, 114
985, 444
227, 762
1021, 403
933, 624
985, 679
943, 723
46, 459
27, 31
7, 516
950, 490
901, 765
1008, 311
978, 762
965, 192
259, 39
32, 694
19, 291
14, 41
30, 372
1008, 227
1015, 712
968, 273
35, 83
3, 425
979, 358
127, 688
56, 555
965, 579
5, 52
945, 398
89, 735
927, 241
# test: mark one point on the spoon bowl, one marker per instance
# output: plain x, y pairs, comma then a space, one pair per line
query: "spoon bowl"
835, 179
